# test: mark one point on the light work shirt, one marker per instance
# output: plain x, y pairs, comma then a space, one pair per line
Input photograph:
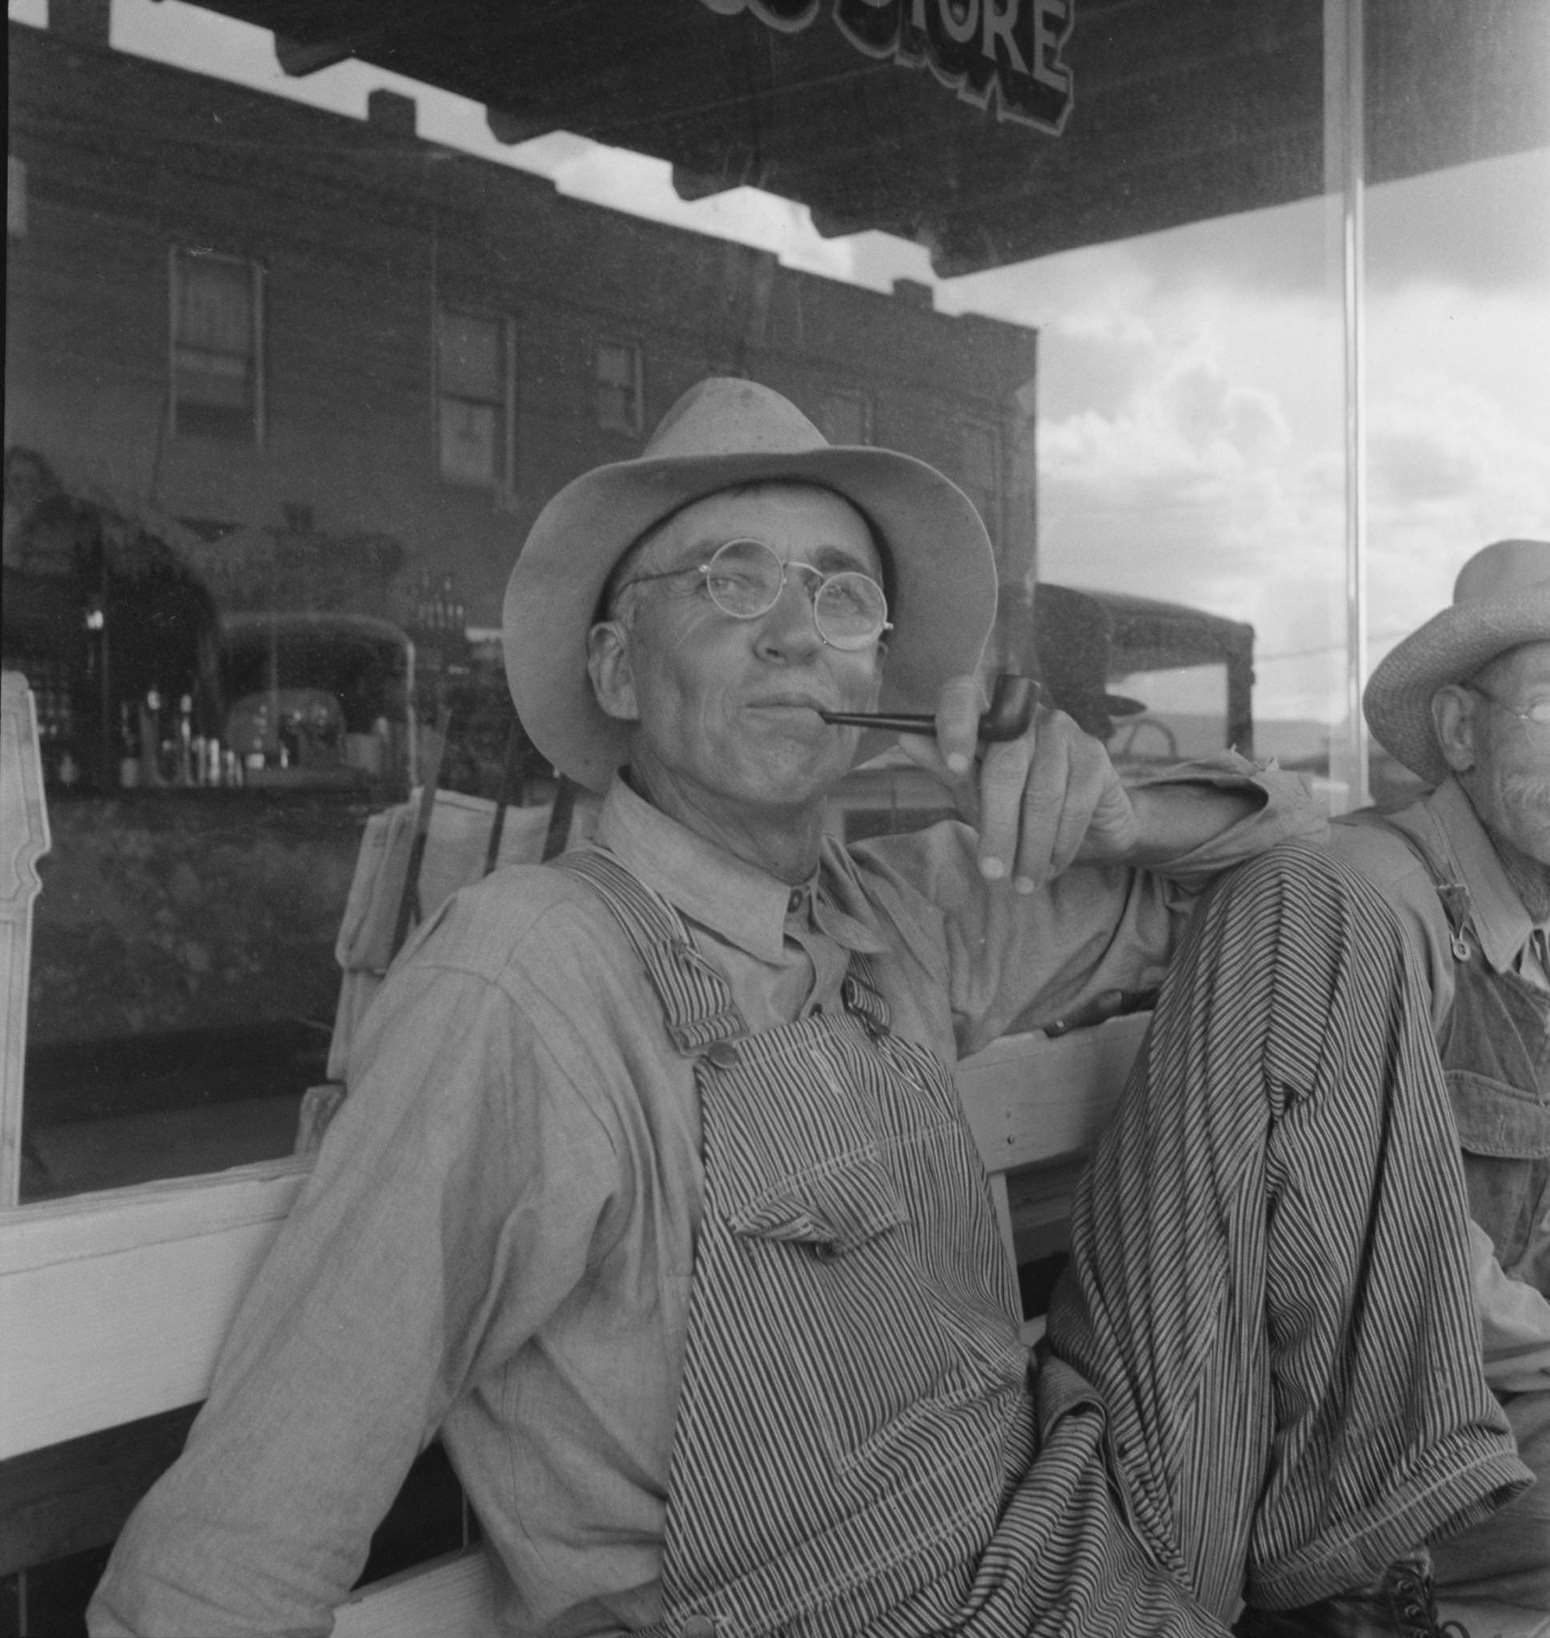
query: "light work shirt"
498, 1237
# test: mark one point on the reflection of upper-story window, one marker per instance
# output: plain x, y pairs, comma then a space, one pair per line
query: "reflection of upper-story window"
845, 417
217, 347
979, 469
475, 399
617, 395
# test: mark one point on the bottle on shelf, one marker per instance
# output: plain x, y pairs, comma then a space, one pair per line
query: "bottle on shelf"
289, 734
255, 758
183, 746
128, 744
150, 738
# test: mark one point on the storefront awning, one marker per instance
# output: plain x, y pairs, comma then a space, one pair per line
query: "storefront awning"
1171, 112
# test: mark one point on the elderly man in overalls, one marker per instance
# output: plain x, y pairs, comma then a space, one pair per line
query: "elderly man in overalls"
652, 1192
1464, 702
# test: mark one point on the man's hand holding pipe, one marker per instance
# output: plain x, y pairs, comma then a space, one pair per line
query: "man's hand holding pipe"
1052, 796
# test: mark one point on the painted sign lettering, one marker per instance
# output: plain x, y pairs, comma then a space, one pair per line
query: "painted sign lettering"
1004, 55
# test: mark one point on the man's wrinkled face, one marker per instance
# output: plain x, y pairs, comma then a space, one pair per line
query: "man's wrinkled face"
726, 709
1509, 783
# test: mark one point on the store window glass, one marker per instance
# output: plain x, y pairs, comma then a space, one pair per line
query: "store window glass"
1229, 318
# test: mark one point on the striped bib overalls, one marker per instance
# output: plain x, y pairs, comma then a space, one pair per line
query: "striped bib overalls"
855, 1405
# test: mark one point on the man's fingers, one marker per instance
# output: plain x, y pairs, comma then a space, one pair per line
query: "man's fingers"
1005, 772
1097, 810
1043, 797
957, 723
1034, 800
1054, 806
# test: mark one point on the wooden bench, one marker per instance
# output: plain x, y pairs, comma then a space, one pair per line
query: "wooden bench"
113, 1305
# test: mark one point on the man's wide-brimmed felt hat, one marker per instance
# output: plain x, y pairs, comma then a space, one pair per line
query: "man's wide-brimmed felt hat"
1501, 599
723, 432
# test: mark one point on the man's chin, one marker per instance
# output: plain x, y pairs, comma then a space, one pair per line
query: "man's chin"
793, 782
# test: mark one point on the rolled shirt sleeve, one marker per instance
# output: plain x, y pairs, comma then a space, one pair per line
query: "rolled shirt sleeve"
1007, 960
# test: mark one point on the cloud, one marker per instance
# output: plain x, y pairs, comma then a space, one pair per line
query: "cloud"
1475, 228
1451, 467
1189, 431
1198, 489
1195, 474
1440, 442
1098, 365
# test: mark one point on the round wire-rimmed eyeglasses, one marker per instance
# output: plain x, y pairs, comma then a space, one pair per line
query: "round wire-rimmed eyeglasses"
744, 578
1537, 715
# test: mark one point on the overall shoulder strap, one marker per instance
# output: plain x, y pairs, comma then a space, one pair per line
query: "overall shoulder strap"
1452, 890
697, 1004
1432, 849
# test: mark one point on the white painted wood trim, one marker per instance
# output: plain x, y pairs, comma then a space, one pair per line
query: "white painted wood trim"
24, 839
1032, 1099
113, 1306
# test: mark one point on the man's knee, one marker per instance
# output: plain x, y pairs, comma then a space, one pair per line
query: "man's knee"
1301, 898
1293, 960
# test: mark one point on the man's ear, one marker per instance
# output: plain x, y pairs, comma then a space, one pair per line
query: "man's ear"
608, 665
1453, 722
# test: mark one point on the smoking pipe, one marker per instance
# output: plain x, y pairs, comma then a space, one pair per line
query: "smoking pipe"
1012, 702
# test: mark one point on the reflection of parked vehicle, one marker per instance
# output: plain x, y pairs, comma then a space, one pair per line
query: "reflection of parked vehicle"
1156, 681
1194, 672
318, 699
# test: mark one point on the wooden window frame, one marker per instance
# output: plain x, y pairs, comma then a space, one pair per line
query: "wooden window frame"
502, 483
633, 424
179, 256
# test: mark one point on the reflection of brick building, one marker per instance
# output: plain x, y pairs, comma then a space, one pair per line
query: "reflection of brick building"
259, 317
332, 367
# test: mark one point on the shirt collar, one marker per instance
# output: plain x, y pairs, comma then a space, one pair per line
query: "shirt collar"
1501, 920
736, 901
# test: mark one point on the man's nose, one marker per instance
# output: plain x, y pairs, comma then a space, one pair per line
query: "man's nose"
789, 625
